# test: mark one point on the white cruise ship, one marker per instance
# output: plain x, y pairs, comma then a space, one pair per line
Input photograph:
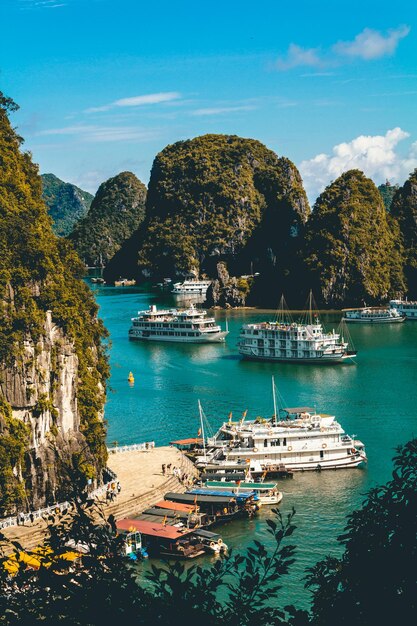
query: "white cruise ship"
295, 342
191, 287
301, 440
407, 308
184, 325
373, 315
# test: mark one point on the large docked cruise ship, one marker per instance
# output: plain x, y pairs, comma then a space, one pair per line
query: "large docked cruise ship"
300, 439
373, 315
184, 325
192, 287
305, 341
407, 308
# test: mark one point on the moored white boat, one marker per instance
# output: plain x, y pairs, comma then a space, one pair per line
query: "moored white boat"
182, 326
373, 315
408, 308
268, 493
293, 342
190, 287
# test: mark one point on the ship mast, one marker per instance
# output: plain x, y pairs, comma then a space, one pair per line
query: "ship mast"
275, 400
202, 429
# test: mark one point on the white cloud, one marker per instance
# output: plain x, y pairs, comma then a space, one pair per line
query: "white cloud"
368, 45
371, 44
95, 134
375, 155
136, 101
221, 110
297, 56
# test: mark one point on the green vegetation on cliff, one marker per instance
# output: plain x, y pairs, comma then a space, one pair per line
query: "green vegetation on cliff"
40, 272
404, 210
116, 212
352, 246
387, 192
66, 203
209, 196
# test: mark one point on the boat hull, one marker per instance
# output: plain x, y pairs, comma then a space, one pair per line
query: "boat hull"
213, 338
324, 360
344, 462
392, 320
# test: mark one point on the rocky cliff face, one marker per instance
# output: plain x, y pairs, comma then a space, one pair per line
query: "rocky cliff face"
53, 367
228, 291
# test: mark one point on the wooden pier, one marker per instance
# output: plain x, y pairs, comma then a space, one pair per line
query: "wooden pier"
142, 482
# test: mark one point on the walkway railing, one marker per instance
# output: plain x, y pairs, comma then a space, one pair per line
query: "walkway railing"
148, 445
23, 518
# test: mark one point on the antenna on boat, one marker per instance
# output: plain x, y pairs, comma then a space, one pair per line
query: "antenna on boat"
275, 399
202, 429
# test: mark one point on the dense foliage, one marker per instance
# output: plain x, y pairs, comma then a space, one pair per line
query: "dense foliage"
66, 203
40, 272
116, 212
353, 252
404, 210
105, 589
14, 437
375, 580
209, 195
387, 191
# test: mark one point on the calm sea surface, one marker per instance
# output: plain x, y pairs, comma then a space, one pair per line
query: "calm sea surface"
374, 399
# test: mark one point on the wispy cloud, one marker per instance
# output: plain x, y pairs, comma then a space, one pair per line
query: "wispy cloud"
137, 101
297, 56
41, 4
222, 110
368, 45
375, 155
371, 44
95, 134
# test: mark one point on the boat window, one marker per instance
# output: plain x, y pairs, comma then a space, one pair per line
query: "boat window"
265, 443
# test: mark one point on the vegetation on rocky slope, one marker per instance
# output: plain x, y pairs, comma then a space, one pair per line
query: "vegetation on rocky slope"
40, 272
404, 210
209, 196
116, 212
353, 252
387, 191
66, 203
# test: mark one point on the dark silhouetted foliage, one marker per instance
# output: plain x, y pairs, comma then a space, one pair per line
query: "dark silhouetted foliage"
404, 210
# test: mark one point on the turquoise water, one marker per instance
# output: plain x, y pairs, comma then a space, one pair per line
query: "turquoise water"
374, 399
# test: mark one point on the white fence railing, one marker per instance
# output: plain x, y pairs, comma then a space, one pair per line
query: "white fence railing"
23, 518
148, 445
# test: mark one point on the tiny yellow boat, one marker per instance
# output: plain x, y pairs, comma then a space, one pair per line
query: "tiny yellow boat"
131, 378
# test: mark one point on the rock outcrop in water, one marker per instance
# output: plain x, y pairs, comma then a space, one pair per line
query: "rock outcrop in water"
228, 291
66, 203
53, 368
404, 210
352, 246
116, 212
219, 198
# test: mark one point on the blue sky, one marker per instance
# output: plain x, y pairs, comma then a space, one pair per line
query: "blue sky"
104, 85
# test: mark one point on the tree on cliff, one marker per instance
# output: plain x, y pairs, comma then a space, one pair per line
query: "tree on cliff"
404, 210
66, 203
39, 273
375, 581
116, 212
388, 191
353, 252
208, 196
